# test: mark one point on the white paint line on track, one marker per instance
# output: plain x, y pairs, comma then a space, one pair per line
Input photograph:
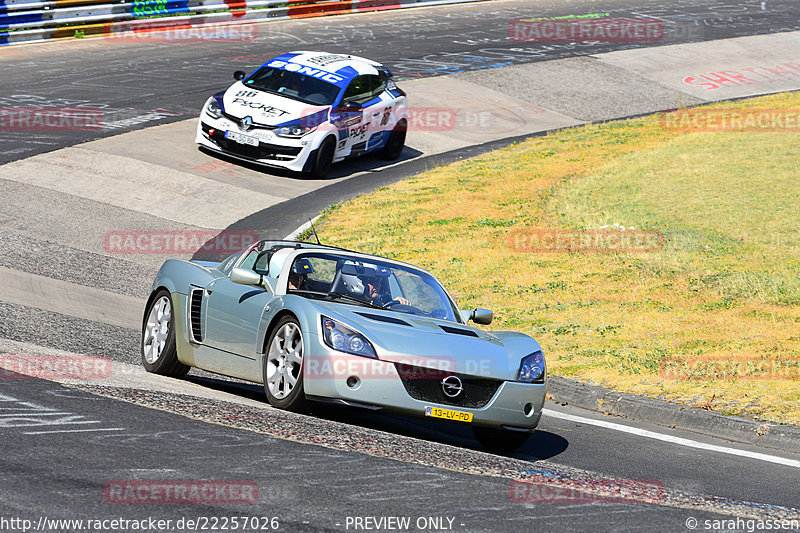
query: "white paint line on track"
71, 431
673, 439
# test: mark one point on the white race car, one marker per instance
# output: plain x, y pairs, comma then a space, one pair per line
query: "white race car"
303, 111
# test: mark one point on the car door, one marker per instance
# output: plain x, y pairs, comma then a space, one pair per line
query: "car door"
355, 113
233, 316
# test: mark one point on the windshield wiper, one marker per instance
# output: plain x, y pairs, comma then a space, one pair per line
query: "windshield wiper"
358, 301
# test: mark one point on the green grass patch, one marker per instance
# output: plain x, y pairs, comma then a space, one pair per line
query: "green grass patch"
723, 284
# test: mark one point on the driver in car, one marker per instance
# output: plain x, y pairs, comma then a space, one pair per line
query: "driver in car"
298, 275
377, 290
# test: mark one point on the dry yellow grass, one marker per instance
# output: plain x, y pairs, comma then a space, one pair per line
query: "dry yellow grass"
724, 287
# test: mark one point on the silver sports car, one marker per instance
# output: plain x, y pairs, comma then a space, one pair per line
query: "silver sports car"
319, 323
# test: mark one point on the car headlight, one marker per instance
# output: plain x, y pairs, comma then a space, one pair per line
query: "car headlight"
531, 370
294, 131
341, 338
213, 109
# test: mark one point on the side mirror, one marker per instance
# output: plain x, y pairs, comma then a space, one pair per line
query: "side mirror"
479, 316
243, 276
239, 75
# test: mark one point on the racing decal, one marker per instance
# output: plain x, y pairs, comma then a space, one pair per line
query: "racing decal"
308, 71
375, 140
349, 72
247, 94
341, 144
387, 112
310, 121
359, 132
265, 109
324, 61
352, 121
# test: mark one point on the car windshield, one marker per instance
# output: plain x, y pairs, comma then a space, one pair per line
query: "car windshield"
370, 283
292, 85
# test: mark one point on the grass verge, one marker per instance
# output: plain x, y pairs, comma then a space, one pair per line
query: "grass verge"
709, 318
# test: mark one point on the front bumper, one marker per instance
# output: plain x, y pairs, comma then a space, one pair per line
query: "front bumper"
272, 151
512, 404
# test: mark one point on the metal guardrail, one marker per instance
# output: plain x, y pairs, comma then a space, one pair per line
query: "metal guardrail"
24, 21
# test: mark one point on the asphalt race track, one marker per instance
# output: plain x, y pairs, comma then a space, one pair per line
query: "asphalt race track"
66, 445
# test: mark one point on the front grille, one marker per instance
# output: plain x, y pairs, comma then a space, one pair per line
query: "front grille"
425, 384
237, 120
262, 151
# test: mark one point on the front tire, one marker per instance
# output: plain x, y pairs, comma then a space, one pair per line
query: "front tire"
159, 353
323, 159
283, 366
499, 439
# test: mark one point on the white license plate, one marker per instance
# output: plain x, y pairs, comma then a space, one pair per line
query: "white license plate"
241, 139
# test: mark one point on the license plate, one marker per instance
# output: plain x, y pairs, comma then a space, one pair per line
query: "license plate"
241, 139
448, 414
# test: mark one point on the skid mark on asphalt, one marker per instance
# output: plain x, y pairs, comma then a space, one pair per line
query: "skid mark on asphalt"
310, 430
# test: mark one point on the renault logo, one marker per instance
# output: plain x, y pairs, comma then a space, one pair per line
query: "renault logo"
246, 123
452, 387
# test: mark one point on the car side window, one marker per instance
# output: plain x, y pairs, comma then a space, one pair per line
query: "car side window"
359, 90
379, 84
262, 263
250, 260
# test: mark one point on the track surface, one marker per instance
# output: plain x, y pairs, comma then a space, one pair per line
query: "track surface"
168, 81
360, 464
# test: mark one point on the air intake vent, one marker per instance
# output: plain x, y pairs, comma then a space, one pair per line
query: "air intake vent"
458, 331
195, 310
383, 318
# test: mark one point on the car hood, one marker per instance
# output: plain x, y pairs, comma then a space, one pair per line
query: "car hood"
420, 341
265, 108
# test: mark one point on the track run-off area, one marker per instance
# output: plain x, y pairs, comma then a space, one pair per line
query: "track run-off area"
64, 289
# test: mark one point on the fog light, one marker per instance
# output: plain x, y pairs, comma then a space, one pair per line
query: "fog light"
353, 382
528, 409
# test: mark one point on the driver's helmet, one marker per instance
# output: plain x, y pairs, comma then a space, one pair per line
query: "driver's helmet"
302, 266
377, 278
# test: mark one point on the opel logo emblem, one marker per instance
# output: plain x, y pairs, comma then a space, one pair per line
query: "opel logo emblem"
246, 123
452, 387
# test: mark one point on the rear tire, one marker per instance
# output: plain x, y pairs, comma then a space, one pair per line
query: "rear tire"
323, 159
159, 353
396, 142
499, 439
